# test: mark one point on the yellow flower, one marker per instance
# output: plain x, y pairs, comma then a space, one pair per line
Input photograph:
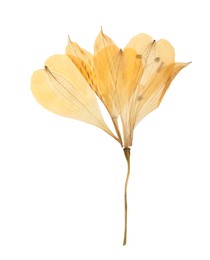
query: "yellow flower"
130, 82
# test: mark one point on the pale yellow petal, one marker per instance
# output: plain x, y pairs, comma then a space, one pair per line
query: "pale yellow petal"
154, 54
62, 89
157, 87
158, 54
147, 48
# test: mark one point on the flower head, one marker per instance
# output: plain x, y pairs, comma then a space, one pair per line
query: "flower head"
130, 82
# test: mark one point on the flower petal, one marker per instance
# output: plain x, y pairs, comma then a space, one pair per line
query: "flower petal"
153, 54
62, 89
156, 88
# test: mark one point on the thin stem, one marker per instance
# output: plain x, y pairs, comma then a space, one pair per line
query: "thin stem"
127, 156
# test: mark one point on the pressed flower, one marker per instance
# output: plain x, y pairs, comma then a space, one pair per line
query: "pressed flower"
130, 83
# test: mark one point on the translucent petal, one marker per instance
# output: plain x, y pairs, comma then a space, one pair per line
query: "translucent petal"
154, 54
62, 89
156, 88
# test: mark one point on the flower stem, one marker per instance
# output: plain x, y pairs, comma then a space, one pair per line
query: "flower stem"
127, 156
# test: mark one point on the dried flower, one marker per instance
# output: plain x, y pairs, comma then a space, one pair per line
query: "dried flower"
130, 82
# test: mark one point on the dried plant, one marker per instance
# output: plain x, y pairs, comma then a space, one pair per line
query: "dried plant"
130, 83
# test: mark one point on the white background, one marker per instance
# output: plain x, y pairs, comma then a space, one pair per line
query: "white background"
62, 181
